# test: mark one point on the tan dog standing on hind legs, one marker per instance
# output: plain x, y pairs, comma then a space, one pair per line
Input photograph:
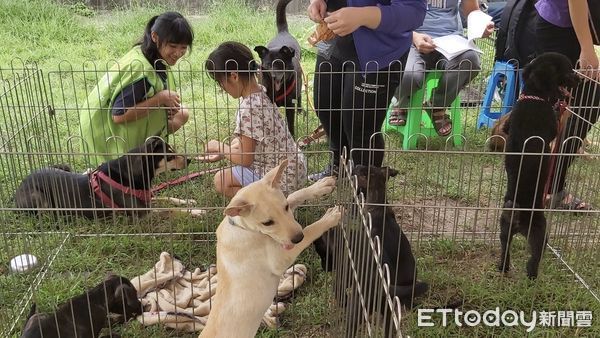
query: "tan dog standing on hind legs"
256, 242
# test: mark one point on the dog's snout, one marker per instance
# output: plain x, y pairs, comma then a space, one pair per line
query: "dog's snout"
298, 238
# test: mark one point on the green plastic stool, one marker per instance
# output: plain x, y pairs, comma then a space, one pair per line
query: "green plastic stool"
418, 121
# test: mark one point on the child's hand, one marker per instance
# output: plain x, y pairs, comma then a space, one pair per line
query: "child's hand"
214, 152
209, 158
169, 98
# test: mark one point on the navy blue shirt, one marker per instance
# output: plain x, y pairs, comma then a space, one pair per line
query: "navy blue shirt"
134, 93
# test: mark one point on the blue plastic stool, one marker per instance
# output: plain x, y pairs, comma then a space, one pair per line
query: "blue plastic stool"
502, 71
418, 121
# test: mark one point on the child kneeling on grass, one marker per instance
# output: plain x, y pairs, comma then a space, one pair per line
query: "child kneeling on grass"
261, 139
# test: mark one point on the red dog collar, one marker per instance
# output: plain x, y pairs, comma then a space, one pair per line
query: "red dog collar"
287, 92
97, 176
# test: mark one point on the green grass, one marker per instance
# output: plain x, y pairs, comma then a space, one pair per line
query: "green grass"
445, 201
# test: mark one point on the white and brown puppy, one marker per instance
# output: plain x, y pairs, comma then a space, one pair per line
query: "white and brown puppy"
256, 242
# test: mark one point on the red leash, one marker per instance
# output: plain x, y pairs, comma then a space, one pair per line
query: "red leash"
562, 109
183, 179
143, 195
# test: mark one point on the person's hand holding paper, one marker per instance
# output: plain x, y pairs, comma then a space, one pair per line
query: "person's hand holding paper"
423, 42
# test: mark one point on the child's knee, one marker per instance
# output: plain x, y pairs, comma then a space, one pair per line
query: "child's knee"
184, 115
219, 182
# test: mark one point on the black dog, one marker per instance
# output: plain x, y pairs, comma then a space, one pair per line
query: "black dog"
59, 188
396, 252
531, 127
85, 315
280, 67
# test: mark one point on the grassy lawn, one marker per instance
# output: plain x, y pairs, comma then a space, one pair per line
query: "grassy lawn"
446, 201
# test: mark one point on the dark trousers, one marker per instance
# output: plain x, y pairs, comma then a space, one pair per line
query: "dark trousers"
585, 102
352, 105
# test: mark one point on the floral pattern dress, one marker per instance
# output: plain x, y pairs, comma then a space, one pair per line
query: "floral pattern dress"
259, 119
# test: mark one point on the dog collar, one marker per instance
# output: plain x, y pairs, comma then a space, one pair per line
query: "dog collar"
530, 97
96, 176
287, 92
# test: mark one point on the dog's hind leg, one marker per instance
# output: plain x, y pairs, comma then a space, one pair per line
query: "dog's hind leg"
507, 223
537, 242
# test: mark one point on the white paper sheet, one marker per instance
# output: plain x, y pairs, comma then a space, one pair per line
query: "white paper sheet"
477, 22
453, 45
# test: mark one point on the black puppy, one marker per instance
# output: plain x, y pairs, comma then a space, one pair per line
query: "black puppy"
58, 188
87, 314
280, 67
396, 250
531, 127
396, 253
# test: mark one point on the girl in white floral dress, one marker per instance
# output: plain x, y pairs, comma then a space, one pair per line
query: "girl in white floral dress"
261, 139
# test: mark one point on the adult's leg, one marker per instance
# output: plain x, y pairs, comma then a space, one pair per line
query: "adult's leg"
585, 103
412, 77
458, 73
327, 98
364, 108
411, 80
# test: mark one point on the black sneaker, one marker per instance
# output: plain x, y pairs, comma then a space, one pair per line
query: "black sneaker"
328, 171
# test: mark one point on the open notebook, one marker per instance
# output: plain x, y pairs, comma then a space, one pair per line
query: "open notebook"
453, 45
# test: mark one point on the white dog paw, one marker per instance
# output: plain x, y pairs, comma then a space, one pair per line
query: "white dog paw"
324, 186
333, 216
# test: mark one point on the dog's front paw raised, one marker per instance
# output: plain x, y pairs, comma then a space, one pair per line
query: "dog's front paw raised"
332, 216
324, 186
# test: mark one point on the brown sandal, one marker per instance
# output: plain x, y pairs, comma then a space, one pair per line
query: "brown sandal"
397, 117
441, 121
313, 137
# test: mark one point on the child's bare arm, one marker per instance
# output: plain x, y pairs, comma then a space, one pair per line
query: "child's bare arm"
239, 152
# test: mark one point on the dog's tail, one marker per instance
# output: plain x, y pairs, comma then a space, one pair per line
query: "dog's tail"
280, 17
31, 311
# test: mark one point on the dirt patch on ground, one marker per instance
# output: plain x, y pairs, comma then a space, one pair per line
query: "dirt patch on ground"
446, 216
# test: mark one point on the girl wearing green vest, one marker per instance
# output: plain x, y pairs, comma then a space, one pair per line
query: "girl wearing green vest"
137, 97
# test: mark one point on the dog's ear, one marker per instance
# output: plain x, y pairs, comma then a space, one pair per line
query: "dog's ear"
237, 207
273, 177
287, 52
127, 295
262, 51
155, 145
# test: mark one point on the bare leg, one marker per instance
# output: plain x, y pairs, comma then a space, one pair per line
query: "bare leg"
178, 120
226, 184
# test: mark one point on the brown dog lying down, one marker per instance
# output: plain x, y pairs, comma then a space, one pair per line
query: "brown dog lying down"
85, 315
256, 242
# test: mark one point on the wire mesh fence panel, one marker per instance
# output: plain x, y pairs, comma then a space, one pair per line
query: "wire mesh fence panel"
157, 228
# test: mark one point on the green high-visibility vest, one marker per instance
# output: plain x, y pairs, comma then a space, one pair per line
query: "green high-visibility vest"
105, 140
